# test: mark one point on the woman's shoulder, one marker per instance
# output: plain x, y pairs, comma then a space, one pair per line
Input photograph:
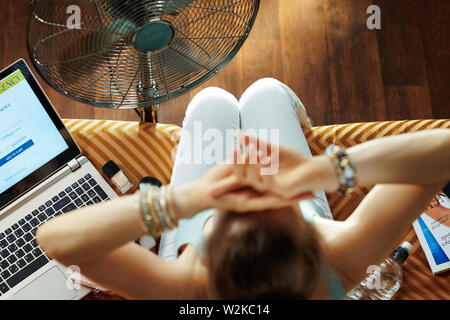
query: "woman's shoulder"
333, 247
194, 272
330, 231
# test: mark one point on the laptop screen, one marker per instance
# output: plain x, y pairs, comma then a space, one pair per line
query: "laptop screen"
28, 137
33, 141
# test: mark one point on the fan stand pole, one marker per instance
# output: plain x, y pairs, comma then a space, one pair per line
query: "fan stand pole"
147, 90
147, 114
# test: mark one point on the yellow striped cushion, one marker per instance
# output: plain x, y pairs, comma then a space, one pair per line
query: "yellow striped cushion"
139, 149
145, 150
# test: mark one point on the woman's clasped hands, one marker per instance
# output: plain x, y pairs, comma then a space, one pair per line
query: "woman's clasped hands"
261, 176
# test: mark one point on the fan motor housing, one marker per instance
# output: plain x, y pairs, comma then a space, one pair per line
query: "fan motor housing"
154, 37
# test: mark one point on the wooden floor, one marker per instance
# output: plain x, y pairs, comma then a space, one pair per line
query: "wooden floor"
322, 49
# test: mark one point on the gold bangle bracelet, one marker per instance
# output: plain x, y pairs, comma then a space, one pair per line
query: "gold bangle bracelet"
169, 203
157, 228
163, 204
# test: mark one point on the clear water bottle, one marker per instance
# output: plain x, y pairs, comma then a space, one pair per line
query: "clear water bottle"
383, 280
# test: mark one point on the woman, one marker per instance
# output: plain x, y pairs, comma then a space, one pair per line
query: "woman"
258, 243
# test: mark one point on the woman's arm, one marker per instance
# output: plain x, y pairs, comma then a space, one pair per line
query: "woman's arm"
369, 235
136, 273
88, 233
85, 234
407, 176
416, 158
420, 158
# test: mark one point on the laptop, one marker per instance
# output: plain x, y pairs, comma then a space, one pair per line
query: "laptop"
42, 175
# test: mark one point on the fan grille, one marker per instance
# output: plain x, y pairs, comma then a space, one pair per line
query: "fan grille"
99, 63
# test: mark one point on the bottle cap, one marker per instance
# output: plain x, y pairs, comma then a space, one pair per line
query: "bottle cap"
402, 252
407, 246
110, 168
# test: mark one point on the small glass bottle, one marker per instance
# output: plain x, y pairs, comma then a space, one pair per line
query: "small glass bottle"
120, 180
384, 280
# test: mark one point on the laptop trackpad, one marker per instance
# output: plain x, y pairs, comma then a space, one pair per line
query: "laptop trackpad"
49, 286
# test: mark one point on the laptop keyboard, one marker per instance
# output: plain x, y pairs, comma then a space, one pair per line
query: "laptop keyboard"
20, 255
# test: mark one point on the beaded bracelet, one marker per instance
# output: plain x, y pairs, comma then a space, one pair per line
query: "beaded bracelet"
344, 169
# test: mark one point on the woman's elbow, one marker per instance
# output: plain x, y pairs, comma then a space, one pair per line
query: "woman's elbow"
49, 239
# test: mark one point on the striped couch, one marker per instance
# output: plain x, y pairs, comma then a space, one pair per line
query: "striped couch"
146, 150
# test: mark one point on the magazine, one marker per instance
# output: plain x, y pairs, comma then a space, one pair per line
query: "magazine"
433, 230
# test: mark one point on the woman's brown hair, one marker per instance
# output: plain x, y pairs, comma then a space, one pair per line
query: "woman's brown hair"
263, 258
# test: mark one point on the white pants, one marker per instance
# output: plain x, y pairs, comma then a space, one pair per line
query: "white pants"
266, 106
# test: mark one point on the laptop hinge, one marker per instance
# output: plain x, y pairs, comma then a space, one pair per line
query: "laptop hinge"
74, 165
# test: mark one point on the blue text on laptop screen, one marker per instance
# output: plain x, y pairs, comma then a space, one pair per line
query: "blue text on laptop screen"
28, 137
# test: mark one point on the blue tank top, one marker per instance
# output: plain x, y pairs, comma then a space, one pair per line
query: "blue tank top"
328, 275
190, 231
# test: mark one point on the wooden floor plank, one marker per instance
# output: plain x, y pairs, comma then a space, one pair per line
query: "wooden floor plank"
305, 56
407, 102
434, 24
353, 54
400, 44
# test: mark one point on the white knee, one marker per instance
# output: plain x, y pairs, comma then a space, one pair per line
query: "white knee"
260, 86
264, 83
212, 102
268, 93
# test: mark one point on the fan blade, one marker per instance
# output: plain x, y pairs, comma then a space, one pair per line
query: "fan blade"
138, 11
173, 6
88, 47
142, 11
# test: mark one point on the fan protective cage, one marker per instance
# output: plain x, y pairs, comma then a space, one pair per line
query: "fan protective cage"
135, 53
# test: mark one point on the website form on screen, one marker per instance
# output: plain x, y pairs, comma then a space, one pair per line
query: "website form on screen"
28, 137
